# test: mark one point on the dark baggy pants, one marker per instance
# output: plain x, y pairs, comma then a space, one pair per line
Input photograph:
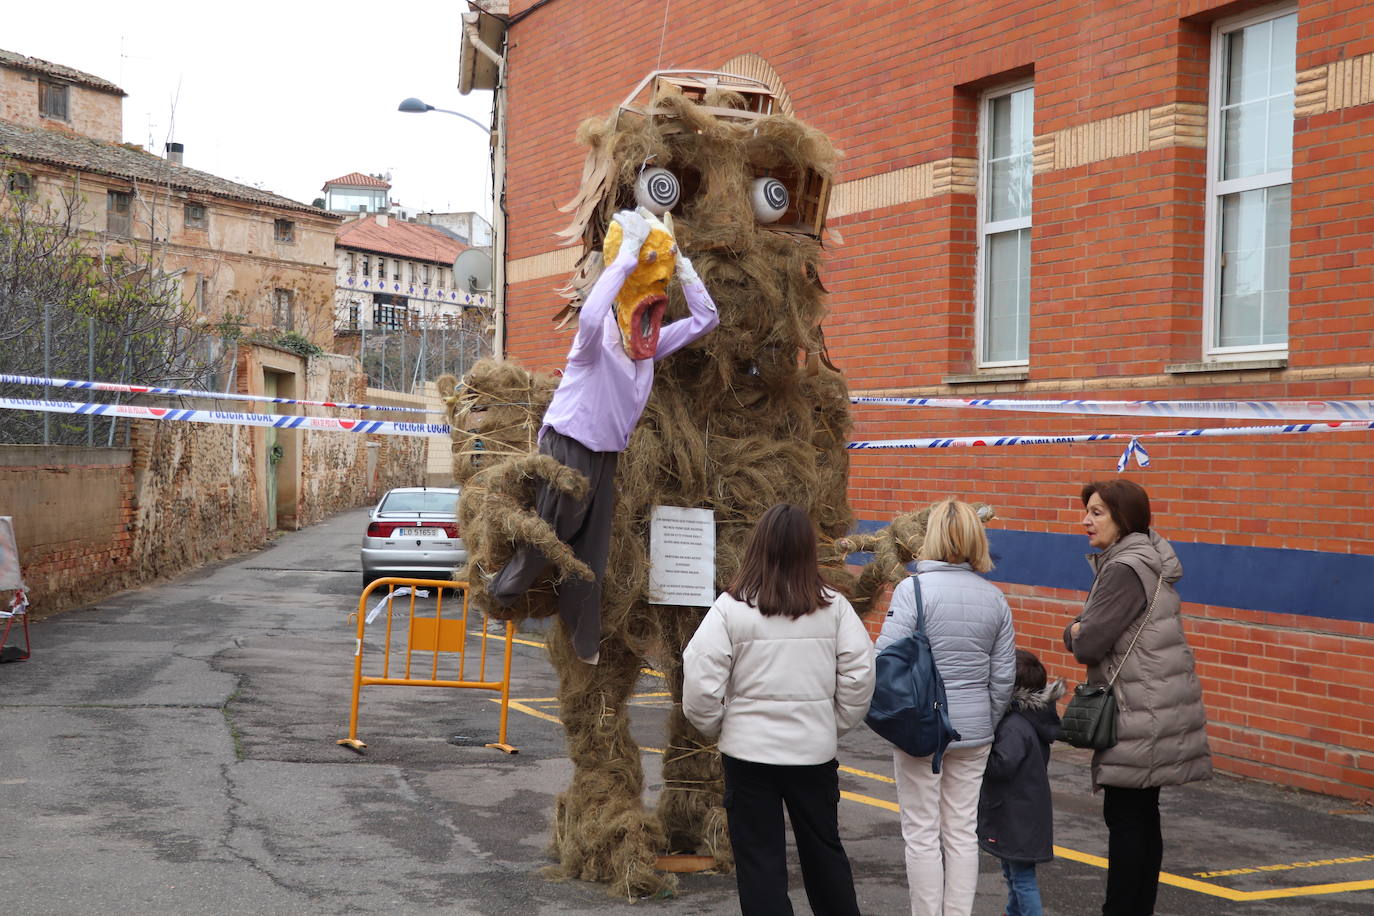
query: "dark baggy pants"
1135, 850
585, 526
754, 797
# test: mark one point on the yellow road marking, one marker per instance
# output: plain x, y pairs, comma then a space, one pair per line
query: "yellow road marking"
877, 777
869, 800
1285, 866
1180, 881
519, 706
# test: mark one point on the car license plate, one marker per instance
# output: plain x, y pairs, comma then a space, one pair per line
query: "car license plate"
419, 532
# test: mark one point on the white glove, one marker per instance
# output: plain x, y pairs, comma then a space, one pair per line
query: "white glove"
686, 273
634, 230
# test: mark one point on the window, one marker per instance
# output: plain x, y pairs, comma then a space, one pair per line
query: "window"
1249, 183
284, 230
194, 216
389, 317
283, 308
19, 183
381, 268
352, 262
425, 273
119, 206
52, 100
367, 266
396, 270
1006, 132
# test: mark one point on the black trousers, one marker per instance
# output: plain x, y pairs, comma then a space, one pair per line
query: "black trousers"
755, 794
584, 525
1135, 850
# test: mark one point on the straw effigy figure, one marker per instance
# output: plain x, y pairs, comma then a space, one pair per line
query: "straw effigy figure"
749, 415
894, 548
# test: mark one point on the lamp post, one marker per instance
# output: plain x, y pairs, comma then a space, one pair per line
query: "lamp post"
415, 106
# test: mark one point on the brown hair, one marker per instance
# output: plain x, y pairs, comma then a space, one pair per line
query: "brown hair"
954, 534
779, 573
1030, 673
1126, 501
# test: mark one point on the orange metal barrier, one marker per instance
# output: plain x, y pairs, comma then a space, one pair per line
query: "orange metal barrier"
431, 636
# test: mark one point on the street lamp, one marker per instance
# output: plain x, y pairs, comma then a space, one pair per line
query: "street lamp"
415, 106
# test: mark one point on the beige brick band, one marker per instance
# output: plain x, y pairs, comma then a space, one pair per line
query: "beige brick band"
1339, 84
917, 182
1176, 124
548, 264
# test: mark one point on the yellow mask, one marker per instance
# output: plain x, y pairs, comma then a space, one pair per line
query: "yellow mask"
640, 305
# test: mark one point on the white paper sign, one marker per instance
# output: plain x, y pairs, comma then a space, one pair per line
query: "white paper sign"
682, 556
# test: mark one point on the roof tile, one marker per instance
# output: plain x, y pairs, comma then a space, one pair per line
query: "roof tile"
47, 67
357, 180
131, 163
399, 239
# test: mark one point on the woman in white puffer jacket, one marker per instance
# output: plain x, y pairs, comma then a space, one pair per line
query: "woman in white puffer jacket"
971, 639
779, 668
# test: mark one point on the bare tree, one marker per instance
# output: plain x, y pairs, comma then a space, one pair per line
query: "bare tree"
76, 304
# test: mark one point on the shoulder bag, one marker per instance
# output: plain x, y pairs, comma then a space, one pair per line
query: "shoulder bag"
909, 707
1090, 718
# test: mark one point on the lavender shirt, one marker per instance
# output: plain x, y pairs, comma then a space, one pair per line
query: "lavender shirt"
603, 391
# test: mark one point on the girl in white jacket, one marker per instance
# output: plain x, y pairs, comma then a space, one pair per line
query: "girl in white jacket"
779, 668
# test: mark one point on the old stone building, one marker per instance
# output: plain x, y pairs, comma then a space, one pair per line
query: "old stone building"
239, 253
394, 272
253, 266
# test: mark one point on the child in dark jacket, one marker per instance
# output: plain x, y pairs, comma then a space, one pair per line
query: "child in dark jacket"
1015, 814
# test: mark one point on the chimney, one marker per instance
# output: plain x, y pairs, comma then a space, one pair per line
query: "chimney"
382, 220
174, 151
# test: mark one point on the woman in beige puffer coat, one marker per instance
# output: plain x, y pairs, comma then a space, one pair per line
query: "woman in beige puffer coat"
1161, 724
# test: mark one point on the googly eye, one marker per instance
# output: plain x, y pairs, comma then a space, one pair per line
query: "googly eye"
657, 190
770, 199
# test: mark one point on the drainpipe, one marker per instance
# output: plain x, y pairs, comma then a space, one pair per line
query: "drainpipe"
498, 168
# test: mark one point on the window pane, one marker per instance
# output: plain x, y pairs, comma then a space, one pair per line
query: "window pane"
1006, 321
1009, 143
1257, 103
428, 501
1254, 267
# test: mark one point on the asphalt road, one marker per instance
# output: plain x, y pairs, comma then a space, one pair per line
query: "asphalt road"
172, 750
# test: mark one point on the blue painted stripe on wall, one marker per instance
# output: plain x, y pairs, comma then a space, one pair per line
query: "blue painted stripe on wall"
1306, 582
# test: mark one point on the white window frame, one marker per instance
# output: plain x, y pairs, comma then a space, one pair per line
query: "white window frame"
986, 229
1217, 189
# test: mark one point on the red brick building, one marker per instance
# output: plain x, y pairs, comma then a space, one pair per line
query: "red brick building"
1061, 199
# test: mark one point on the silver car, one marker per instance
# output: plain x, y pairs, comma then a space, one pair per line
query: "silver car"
413, 532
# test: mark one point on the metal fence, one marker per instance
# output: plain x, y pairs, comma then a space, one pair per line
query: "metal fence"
66, 345
404, 358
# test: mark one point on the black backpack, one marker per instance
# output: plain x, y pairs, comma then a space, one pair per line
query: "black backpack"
909, 706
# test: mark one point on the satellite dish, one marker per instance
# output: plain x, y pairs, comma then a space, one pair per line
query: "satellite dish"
472, 271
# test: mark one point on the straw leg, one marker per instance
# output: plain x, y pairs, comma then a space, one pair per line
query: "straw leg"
601, 830
691, 809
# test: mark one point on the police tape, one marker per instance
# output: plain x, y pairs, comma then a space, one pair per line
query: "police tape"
397, 428
226, 418
192, 393
1217, 431
1241, 410
1260, 410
